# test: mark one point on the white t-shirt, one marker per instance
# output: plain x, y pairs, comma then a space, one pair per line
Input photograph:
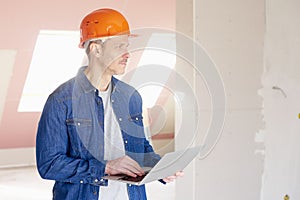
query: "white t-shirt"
113, 148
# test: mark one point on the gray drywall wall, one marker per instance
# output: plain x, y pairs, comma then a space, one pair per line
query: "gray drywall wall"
281, 91
232, 32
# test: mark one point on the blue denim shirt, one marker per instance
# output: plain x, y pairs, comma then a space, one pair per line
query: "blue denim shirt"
70, 138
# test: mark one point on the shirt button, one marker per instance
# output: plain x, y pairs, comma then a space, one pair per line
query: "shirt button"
81, 181
78, 123
96, 180
126, 141
136, 118
120, 119
112, 101
129, 185
101, 180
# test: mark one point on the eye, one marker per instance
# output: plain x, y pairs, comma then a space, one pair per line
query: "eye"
122, 45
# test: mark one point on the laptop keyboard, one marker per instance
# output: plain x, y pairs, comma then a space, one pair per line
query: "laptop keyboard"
133, 179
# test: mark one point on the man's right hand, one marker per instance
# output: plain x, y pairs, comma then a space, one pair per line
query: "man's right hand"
124, 165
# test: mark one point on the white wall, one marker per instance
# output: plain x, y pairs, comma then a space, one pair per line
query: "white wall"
232, 32
17, 157
185, 187
281, 106
256, 46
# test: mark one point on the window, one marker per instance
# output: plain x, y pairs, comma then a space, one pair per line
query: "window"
56, 58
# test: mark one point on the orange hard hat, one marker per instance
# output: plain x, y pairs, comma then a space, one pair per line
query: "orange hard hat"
100, 23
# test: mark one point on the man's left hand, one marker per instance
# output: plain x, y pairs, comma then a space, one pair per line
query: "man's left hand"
172, 178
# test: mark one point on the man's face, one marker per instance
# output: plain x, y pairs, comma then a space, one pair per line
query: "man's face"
115, 55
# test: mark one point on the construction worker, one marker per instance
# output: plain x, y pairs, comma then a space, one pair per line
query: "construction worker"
92, 125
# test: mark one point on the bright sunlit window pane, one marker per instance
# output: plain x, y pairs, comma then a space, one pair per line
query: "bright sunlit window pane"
56, 58
150, 93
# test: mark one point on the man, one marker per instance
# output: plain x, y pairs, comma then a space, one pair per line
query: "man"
92, 125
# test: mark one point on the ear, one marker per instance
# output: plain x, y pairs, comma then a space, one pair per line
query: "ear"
96, 49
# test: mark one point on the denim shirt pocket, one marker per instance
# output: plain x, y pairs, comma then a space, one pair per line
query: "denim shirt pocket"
136, 125
136, 118
79, 131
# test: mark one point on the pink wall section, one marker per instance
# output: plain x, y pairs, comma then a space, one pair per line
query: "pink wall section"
20, 24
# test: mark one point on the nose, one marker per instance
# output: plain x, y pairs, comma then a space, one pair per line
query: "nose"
126, 55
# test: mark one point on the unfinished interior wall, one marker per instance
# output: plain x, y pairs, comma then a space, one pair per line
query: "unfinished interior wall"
232, 32
184, 25
281, 91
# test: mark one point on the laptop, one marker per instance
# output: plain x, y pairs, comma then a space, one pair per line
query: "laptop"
168, 165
